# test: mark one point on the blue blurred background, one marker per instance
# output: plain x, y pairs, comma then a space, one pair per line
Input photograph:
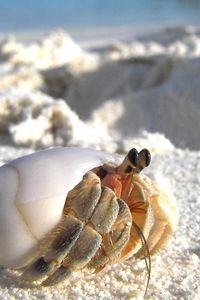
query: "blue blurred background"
25, 15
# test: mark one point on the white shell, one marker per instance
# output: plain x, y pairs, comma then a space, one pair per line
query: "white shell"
33, 190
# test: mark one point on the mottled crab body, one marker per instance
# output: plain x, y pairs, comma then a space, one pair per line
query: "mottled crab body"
65, 209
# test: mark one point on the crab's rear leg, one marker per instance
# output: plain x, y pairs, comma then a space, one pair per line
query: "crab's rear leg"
165, 217
142, 216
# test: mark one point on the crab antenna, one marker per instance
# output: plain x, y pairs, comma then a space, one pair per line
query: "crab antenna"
129, 163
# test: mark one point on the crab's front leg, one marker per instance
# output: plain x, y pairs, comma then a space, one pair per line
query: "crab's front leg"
114, 240
60, 242
92, 213
81, 253
66, 236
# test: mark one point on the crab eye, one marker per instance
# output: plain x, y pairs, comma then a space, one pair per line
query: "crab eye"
133, 156
129, 163
146, 156
144, 159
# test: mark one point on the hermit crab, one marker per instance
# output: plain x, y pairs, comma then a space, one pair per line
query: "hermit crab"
66, 209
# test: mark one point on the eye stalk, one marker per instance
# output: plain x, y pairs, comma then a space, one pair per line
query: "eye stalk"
135, 162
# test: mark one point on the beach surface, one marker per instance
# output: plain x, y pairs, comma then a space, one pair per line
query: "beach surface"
140, 92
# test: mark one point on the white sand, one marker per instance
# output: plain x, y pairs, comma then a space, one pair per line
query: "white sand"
151, 83
175, 271
53, 93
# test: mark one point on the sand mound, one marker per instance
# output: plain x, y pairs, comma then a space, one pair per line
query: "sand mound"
151, 84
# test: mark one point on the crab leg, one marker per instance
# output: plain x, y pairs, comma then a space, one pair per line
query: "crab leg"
114, 241
142, 215
82, 200
165, 217
82, 252
120, 231
106, 211
86, 196
76, 241
90, 239
60, 247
